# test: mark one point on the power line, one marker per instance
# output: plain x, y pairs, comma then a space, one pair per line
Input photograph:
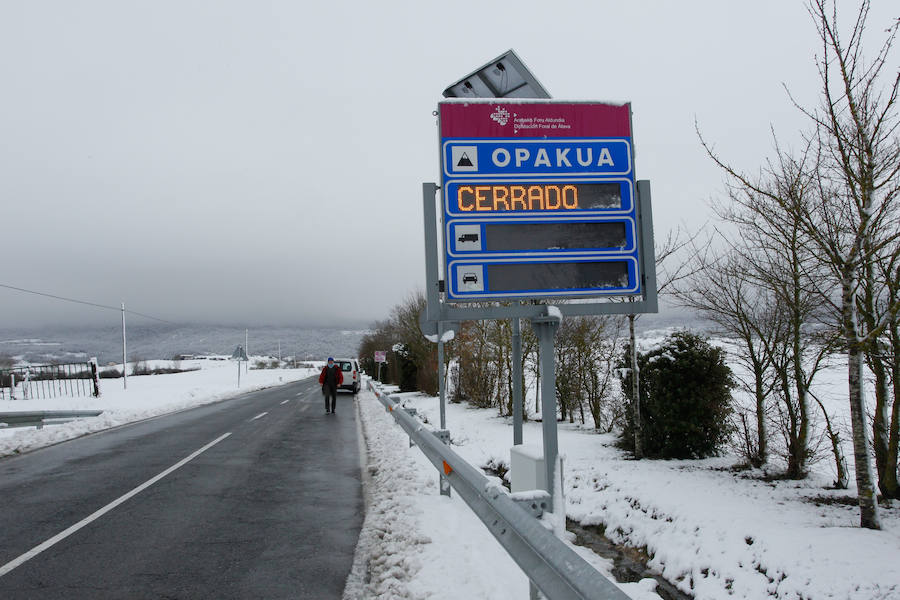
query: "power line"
94, 304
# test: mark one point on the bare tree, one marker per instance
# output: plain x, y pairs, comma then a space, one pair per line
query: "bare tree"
848, 220
720, 290
887, 422
856, 130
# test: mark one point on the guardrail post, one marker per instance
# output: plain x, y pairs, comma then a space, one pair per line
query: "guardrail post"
443, 481
411, 412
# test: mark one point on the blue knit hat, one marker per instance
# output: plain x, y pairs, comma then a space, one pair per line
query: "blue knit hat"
330, 359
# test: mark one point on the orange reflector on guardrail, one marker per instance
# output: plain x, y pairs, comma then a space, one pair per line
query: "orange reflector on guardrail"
447, 468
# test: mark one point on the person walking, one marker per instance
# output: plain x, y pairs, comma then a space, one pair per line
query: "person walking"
330, 378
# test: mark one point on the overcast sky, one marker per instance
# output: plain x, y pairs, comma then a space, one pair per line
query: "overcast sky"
261, 162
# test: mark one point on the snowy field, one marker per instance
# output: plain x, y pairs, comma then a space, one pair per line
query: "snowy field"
147, 396
712, 531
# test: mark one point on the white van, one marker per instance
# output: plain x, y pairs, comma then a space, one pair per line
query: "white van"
350, 371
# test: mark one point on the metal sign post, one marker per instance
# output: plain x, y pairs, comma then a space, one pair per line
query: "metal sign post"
546, 327
241, 355
380, 357
517, 382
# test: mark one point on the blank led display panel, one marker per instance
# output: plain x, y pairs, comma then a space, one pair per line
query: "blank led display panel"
514, 277
602, 235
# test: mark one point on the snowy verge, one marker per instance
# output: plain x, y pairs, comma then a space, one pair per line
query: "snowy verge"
417, 544
146, 396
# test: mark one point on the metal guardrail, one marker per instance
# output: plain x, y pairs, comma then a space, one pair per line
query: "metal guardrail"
556, 570
39, 417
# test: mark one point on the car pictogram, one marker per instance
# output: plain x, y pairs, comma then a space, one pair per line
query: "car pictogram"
470, 278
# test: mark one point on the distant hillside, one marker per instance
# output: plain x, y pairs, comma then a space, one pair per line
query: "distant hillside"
36, 345
165, 341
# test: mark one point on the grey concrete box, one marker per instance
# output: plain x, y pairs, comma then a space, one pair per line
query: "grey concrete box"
526, 468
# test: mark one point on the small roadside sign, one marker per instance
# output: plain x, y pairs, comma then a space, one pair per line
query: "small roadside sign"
380, 356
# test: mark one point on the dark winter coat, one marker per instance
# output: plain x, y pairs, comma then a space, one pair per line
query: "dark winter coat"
331, 377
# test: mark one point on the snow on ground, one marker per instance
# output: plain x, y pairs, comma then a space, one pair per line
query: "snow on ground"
712, 531
147, 396
417, 544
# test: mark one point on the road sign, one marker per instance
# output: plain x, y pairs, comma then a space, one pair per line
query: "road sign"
538, 200
380, 356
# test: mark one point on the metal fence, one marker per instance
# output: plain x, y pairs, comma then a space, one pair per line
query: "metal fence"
49, 381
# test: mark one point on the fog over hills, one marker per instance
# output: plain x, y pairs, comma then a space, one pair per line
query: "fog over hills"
158, 340
37, 345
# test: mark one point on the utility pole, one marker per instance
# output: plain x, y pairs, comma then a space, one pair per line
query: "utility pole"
124, 352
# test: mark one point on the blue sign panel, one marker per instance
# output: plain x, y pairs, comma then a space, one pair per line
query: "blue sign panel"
575, 276
530, 237
530, 158
538, 201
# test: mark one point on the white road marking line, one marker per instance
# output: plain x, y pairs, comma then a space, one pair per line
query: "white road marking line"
304, 407
300, 394
96, 515
258, 416
286, 401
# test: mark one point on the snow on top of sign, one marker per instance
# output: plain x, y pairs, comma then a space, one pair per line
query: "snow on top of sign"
446, 337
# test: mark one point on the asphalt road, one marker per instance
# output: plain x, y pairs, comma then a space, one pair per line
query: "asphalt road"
255, 497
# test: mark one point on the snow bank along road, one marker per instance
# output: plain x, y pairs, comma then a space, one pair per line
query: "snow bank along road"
254, 497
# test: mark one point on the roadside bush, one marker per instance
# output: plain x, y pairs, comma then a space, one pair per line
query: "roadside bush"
273, 363
685, 398
140, 367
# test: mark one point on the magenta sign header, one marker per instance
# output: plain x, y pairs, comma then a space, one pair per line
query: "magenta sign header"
534, 120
